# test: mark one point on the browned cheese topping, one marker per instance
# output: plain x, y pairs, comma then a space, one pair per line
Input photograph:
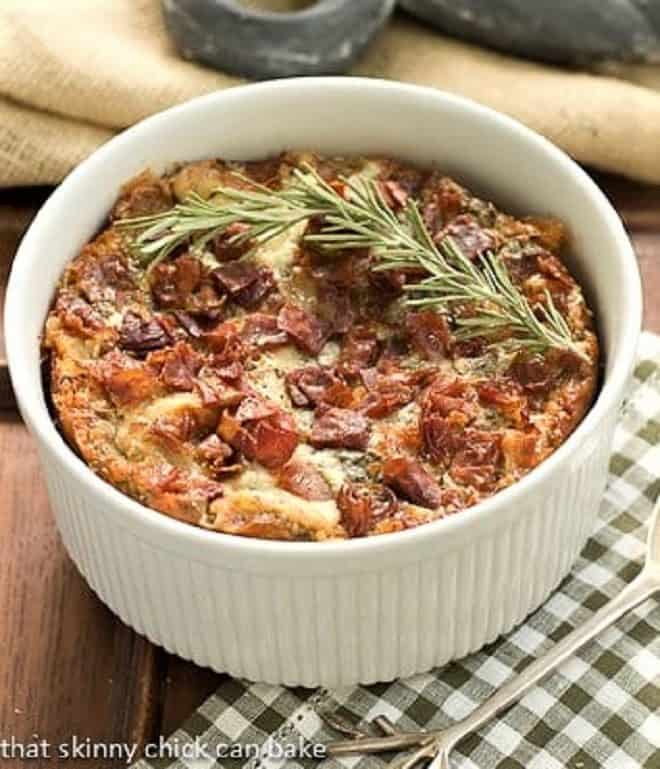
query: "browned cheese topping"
283, 392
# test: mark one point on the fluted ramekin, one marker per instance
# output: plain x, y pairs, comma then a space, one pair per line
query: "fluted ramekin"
368, 609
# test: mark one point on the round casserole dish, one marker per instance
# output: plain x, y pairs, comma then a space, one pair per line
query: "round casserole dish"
361, 610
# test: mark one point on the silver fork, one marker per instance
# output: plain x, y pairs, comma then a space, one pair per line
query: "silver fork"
437, 745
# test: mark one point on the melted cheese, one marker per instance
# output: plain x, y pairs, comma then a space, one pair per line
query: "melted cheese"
306, 514
279, 254
327, 461
134, 436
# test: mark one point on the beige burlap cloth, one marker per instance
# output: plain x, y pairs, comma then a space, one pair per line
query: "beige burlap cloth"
73, 72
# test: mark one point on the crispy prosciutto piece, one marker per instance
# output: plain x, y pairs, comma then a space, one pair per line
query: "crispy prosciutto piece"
126, 380
271, 441
478, 447
306, 331
216, 455
255, 407
234, 277
389, 371
477, 458
506, 398
428, 333
334, 305
468, 452
469, 348
268, 171
385, 394
407, 178
304, 480
482, 477
258, 529
439, 438
261, 431
173, 282
534, 373
77, 316
228, 246
390, 388
257, 291
307, 385
173, 430
551, 266
450, 397
389, 281
261, 331
106, 276
519, 450
216, 393
386, 400
178, 366
394, 194
140, 335
245, 282
225, 343
339, 272
568, 362
338, 394
188, 323
442, 200
182, 285
232, 372
338, 428
360, 350
177, 492
412, 482
143, 195
364, 504
468, 235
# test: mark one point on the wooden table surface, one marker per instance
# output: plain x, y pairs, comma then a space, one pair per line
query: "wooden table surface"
67, 665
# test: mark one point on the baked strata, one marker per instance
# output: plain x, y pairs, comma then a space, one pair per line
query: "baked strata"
287, 386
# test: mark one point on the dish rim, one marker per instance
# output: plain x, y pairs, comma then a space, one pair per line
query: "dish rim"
38, 418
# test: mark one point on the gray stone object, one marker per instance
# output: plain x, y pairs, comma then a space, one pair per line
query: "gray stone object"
555, 31
324, 38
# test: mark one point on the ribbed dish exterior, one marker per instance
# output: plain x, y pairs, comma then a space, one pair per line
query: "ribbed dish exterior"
385, 621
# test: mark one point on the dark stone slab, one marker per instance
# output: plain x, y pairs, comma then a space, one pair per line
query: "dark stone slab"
325, 38
557, 31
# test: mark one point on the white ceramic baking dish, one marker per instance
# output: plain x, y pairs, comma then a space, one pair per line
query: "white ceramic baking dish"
369, 609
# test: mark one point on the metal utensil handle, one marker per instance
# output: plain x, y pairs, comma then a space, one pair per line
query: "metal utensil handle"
643, 587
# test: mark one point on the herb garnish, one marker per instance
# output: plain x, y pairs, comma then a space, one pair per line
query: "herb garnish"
357, 216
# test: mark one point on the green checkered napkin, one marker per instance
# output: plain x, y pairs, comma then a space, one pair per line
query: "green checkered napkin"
600, 711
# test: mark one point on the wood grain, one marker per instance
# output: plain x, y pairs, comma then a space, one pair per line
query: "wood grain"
185, 687
17, 207
68, 665
639, 208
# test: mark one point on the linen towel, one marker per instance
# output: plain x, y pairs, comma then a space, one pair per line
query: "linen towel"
74, 72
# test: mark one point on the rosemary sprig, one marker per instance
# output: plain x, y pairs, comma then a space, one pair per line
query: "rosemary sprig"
496, 305
198, 221
482, 299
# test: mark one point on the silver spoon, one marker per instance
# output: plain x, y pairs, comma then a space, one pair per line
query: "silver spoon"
438, 744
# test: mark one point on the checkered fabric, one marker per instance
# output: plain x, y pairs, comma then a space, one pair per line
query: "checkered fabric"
601, 710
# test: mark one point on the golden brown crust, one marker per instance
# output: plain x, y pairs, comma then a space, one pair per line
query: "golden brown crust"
270, 393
